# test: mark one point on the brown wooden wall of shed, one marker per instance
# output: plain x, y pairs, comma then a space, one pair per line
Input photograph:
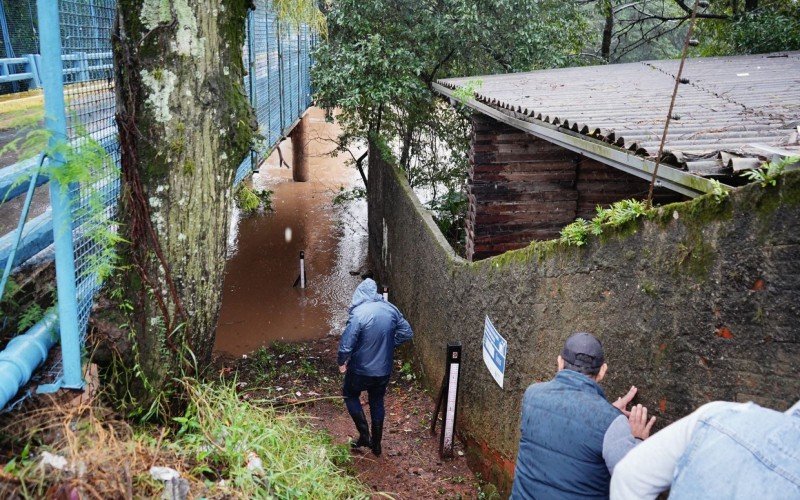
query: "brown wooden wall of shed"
522, 188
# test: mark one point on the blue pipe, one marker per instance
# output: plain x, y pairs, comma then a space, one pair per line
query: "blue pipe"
24, 354
52, 73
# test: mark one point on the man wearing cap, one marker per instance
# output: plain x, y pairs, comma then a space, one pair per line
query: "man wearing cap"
572, 437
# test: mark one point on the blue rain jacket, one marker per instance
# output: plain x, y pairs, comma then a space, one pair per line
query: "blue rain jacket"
374, 329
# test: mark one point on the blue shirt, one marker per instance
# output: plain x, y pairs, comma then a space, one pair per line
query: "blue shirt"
375, 327
721, 450
572, 438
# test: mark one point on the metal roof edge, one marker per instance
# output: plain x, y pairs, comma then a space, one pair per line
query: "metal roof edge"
621, 159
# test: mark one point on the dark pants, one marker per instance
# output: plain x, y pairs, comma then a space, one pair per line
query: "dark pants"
376, 389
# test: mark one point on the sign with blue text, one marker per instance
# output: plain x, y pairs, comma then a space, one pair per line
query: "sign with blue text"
494, 351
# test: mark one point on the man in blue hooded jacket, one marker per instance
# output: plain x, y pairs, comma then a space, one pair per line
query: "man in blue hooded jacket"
366, 351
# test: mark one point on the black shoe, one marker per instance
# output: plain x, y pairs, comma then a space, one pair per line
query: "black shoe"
377, 434
363, 431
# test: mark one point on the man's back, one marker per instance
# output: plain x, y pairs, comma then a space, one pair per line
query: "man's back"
375, 327
563, 430
374, 351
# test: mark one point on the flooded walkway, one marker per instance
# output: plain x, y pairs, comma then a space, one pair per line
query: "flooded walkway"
259, 304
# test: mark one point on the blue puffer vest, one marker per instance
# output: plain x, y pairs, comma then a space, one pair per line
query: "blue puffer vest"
560, 455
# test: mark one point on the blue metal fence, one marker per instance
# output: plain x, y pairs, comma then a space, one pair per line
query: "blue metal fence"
76, 71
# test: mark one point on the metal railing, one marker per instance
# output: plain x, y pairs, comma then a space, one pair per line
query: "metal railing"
277, 56
78, 67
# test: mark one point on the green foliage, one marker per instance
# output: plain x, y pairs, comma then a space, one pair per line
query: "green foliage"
29, 317
617, 215
719, 191
576, 233
407, 371
220, 432
381, 57
301, 12
449, 212
346, 195
769, 173
774, 27
210, 445
250, 201
466, 92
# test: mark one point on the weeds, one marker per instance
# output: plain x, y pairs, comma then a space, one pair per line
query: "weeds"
769, 173
250, 201
213, 446
346, 195
617, 215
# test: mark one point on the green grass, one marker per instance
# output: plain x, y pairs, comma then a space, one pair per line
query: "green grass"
210, 446
219, 431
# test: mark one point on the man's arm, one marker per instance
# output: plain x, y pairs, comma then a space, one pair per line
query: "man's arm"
624, 433
348, 341
648, 469
403, 332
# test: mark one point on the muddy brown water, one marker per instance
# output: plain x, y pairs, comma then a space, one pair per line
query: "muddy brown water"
259, 304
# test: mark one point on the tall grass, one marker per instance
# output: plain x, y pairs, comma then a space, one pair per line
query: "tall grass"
220, 431
210, 446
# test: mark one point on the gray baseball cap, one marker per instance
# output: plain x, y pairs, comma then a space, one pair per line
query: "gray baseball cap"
583, 350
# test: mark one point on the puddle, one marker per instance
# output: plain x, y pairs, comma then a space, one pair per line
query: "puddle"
259, 304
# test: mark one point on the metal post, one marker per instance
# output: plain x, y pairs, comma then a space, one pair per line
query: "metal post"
280, 73
302, 269
56, 123
386, 294
251, 60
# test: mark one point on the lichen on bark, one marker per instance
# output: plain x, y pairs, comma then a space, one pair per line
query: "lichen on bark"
185, 124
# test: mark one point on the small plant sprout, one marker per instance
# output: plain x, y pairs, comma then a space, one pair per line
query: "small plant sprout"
466, 92
719, 191
769, 173
575, 233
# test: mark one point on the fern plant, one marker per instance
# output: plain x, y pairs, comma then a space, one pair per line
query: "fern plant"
769, 173
618, 214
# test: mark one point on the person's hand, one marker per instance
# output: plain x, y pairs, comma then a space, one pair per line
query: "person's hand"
343, 368
622, 403
640, 426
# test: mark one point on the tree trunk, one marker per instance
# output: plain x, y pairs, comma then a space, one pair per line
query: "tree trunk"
608, 30
185, 125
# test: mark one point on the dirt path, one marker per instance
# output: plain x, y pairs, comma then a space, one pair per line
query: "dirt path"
304, 377
260, 308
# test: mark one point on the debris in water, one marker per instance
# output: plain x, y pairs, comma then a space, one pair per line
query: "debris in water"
287, 234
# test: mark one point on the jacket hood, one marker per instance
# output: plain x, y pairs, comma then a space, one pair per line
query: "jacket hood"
367, 291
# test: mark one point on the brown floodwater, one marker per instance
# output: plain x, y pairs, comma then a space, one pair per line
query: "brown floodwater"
259, 304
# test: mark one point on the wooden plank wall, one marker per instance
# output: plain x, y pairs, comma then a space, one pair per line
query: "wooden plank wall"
522, 188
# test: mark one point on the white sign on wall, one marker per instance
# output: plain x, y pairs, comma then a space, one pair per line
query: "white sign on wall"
494, 351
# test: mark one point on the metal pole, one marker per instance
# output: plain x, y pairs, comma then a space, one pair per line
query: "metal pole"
56, 122
251, 70
302, 269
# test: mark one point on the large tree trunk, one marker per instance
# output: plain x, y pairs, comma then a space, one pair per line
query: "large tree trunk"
185, 125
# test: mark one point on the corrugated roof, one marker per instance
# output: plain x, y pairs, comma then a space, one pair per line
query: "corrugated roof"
730, 108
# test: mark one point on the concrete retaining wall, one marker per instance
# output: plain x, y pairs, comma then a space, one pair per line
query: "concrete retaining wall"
698, 303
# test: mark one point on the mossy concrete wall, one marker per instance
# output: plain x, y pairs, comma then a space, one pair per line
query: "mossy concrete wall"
697, 302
